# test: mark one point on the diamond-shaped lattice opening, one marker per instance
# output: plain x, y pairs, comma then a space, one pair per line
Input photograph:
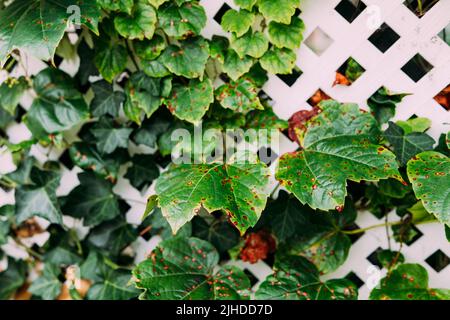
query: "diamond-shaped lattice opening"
224, 8
373, 258
443, 98
354, 237
253, 279
445, 34
417, 68
349, 72
66, 160
267, 155
355, 279
416, 234
420, 7
438, 260
350, 9
318, 97
384, 38
290, 79
318, 41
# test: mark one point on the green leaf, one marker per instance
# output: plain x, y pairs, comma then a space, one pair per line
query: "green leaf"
408, 282
155, 68
340, 144
38, 26
106, 100
87, 157
253, 44
235, 66
415, 125
6, 219
92, 200
287, 35
12, 278
141, 24
157, 3
151, 129
239, 96
39, 199
182, 21
183, 269
429, 173
111, 55
390, 259
188, 59
238, 22
143, 171
58, 105
47, 286
191, 101
150, 49
117, 5
218, 232
295, 278
245, 4
109, 138
383, 103
265, 119
279, 11
237, 188
405, 145
11, 91
320, 237
278, 61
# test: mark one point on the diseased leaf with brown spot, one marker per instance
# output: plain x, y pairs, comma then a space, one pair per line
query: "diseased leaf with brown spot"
183, 269
429, 173
341, 143
408, 282
295, 278
239, 96
237, 188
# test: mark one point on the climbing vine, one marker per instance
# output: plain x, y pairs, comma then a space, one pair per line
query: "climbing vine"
143, 73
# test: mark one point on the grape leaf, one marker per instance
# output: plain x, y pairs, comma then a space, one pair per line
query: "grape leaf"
188, 59
47, 286
182, 21
38, 26
12, 278
191, 101
117, 5
253, 44
383, 103
408, 282
150, 49
141, 24
235, 66
239, 96
106, 100
295, 278
279, 11
429, 173
11, 91
92, 200
58, 105
39, 199
287, 35
7, 213
143, 171
278, 61
238, 22
340, 144
238, 188
183, 269
407, 145
109, 138
415, 125
245, 4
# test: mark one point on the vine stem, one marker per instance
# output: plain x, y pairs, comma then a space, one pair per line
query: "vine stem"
396, 223
275, 190
131, 54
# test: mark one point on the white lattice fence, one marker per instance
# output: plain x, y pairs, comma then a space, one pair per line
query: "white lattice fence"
330, 39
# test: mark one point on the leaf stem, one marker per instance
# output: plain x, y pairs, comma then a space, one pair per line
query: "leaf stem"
396, 223
131, 54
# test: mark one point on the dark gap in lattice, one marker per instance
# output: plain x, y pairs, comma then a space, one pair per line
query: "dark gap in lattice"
224, 8
384, 38
253, 279
349, 10
373, 258
123, 206
355, 279
438, 260
292, 78
20, 112
417, 235
443, 98
66, 160
342, 71
420, 8
417, 68
318, 97
354, 237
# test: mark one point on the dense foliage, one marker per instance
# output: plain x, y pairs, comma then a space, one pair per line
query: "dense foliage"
145, 71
